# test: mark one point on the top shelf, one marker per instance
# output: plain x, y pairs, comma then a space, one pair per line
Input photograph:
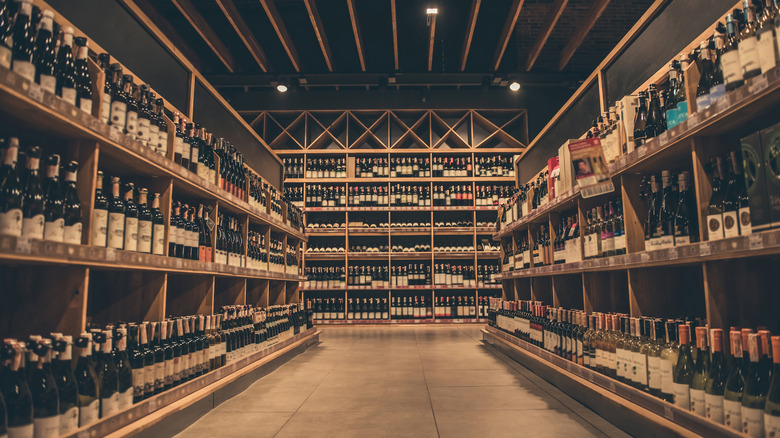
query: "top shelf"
28, 106
442, 179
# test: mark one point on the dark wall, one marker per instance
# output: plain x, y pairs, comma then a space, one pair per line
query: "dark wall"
117, 31
210, 113
670, 31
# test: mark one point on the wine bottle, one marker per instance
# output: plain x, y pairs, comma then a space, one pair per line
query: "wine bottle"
148, 359
6, 27
116, 217
66, 68
16, 392
144, 117
144, 241
166, 332
100, 214
44, 57
756, 385
730, 58
131, 121
82, 77
159, 357
124, 370
10, 192
66, 384
685, 221
46, 400
86, 380
32, 197
158, 227
106, 373
53, 203
735, 384
748, 44
765, 38
700, 372
131, 219
669, 359
162, 127
72, 206
716, 379
715, 207
683, 371
772, 409
664, 231
23, 42
119, 100
740, 189
136, 361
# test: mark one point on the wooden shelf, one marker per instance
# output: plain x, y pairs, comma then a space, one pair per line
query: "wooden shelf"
402, 288
325, 256
152, 410
411, 255
394, 208
401, 179
368, 255
606, 392
453, 254
326, 232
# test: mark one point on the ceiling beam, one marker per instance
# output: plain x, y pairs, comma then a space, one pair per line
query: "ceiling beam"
552, 19
469, 32
168, 30
244, 32
431, 39
395, 32
506, 34
591, 17
281, 32
319, 30
356, 31
205, 31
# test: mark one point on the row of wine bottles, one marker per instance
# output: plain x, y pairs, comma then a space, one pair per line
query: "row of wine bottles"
43, 394
680, 361
411, 307
332, 277
327, 223
35, 207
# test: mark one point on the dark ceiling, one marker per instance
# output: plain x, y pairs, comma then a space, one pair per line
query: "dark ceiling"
250, 44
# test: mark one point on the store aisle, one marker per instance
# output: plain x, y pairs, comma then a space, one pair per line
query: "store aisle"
417, 381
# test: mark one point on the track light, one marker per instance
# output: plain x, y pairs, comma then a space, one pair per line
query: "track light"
281, 88
514, 86
432, 11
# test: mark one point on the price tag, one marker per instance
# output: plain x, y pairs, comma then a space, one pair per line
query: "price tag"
722, 104
668, 412
35, 92
759, 84
756, 241
663, 138
612, 386
671, 253
641, 151
110, 254
705, 249
23, 245
644, 257
113, 135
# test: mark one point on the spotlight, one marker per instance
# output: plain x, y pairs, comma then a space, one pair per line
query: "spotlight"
281, 88
514, 86
432, 11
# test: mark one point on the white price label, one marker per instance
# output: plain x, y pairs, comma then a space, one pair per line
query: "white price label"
704, 249
668, 412
760, 84
23, 245
756, 241
641, 151
663, 138
110, 254
35, 92
612, 386
113, 135
644, 257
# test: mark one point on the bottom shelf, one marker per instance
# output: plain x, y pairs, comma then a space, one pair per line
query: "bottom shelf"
146, 413
631, 409
399, 321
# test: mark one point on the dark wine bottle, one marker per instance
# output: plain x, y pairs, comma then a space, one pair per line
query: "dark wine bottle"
66, 69
66, 384
82, 77
159, 357
10, 192
106, 372
24, 42
148, 360
124, 369
116, 217
16, 392
735, 384
53, 202
100, 214
72, 206
131, 219
158, 227
32, 197
136, 362
44, 57
46, 399
86, 380
144, 223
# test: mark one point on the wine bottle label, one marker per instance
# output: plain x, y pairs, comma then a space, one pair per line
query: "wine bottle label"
771, 425
698, 404
671, 117
159, 375
69, 420
640, 369
748, 55
25, 431
105, 108
54, 231
116, 230
663, 242
25, 69
118, 114
682, 397
90, 413
125, 399
5, 57
144, 130
49, 83
86, 105
715, 226
11, 222
109, 405
158, 239
32, 227
72, 234
654, 372
682, 240
732, 414
131, 125
144, 234
713, 407
702, 102
732, 67
69, 95
682, 112
667, 384
162, 142
47, 427
177, 367
745, 224
148, 379
730, 227
753, 422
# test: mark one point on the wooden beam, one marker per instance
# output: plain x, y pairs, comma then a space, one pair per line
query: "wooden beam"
205, 31
469, 32
552, 19
244, 32
431, 39
165, 27
591, 17
506, 34
356, 31
395, 32
281, 32
319, 30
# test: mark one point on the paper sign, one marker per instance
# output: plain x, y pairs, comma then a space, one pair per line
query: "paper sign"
590, 168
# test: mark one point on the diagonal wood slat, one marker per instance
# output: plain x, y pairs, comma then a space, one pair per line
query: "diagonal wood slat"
431, 40
506, 34
281, 32
472, 24
395, 32
205, 31
244, 32
591, 17
356, 31
552, 19
319, 31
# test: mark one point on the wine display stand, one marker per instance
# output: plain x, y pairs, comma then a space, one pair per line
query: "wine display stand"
637, 412
144, 414
642, 281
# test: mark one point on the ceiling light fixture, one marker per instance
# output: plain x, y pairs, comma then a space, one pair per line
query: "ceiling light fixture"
514, 86
281, 88
432, 11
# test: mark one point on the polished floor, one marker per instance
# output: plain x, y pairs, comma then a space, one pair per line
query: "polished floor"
415, 381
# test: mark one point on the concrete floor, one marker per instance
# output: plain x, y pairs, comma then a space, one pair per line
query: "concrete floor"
416, 381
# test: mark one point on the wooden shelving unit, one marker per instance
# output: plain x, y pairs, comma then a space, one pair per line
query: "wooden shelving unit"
351, 135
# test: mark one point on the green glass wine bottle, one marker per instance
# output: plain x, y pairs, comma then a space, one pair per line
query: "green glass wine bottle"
756, 385
772, 408
683, 370
700, 372
716, 379
735, 384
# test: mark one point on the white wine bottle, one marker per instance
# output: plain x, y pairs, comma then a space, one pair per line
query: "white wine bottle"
772, 408
756, 385
700, 373
683, 371
735, 384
